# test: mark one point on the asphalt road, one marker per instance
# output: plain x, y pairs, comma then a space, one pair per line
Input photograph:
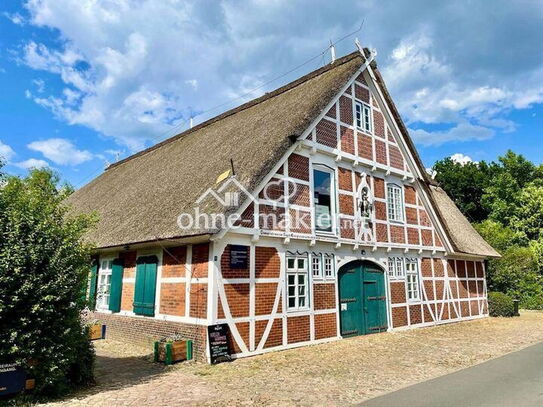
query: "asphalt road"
513, 380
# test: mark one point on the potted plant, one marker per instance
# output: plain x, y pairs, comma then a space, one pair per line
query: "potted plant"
96, 330
173, 349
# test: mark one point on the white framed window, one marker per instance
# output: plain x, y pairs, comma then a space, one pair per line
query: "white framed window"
328, 266
396, 267
363, 116
395, 202
316, 266
104, 284
297, 283
324, 199
412, 274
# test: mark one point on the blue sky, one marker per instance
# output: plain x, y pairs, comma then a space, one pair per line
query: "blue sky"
85, 82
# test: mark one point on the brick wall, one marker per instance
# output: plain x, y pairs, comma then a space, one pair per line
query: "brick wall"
298, 329
275, 338
324, 296
144, 331
200, 258
325, 326
267, 262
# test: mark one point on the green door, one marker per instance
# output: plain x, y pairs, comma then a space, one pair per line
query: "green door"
361, 299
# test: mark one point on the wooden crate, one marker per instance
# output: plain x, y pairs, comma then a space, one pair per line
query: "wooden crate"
171, 352
97, 331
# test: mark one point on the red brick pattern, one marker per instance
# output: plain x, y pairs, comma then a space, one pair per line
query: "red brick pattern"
415, 314
267, 263
410, 195
397, 234
346, 205
300, 221
362, 94
298, 329
324, 296
380, 210
397, 292
396, 158
365, 146
172, 299
426, 235
129, 263
299, 195
378, 124
381, 232
378, 187
345, 179
399, 316
198, 300
325, 326
173, 262
346, 110
200, 258
426, 267
346, 228
264, 298
411, 216
275, 338
298, 166
438, 268
326, 132
413, 236
332, 112
127, 297
271, 218
238, 300
380, 152
347, 139
243, 329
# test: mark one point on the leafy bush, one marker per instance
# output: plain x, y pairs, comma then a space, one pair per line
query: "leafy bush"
43, 270
500, 305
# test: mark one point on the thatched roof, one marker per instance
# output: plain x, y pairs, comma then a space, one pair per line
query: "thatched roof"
139, 199
463, 236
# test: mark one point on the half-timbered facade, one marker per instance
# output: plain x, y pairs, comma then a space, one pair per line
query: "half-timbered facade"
338, 231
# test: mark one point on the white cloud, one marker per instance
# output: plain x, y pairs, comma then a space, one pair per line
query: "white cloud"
461, 159
6, 152
461, 132
32, 163
60, 151
15, 18
40, 85
134, 70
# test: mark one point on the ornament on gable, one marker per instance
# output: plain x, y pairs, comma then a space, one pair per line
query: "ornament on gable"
365, 215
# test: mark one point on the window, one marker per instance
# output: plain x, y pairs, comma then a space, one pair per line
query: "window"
396, 267
395, 202
322, 190
104, 285
363, 116
297, 283
412, 272
316, 266
328, 266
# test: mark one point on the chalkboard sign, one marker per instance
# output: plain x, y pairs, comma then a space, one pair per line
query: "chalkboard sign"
12, 379
239, 257
219, 348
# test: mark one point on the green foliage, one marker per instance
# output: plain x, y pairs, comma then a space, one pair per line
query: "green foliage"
43, 270
500, 305
506, 199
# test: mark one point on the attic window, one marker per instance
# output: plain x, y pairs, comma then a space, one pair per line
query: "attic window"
363, 116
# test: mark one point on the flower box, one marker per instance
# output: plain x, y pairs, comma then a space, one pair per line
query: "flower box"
171, 351
97, 331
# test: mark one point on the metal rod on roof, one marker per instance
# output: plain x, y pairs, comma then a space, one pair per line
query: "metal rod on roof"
190, 122
332, 51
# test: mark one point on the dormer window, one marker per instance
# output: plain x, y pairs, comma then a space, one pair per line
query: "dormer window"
363, 116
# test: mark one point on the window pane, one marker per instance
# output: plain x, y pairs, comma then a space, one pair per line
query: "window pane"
291, 302
291, 290
301, 290
291, 279
301, 301
290, 263
301, 279
322, 185
301, 264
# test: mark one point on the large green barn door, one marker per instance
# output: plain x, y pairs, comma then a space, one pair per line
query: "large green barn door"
374, 301
350, 300
362, 299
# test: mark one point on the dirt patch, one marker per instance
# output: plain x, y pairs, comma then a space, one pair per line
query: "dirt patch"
336, 373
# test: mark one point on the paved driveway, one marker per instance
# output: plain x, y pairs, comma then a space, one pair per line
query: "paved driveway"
514, 380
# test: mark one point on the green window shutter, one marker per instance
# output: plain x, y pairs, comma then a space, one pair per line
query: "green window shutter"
144, 292
116, 285
92, 285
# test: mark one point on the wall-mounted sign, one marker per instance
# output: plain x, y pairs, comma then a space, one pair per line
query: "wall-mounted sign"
239, 257
12, 379
219, 349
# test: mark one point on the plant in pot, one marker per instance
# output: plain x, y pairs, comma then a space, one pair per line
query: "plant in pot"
173, 349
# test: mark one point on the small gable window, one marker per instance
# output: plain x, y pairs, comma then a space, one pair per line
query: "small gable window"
396, 267
395, 202
363, 116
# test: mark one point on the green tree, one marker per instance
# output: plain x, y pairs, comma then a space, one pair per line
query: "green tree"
528, 216
44, 265
466, 184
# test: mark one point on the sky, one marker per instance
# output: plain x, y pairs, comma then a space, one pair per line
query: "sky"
86, 82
